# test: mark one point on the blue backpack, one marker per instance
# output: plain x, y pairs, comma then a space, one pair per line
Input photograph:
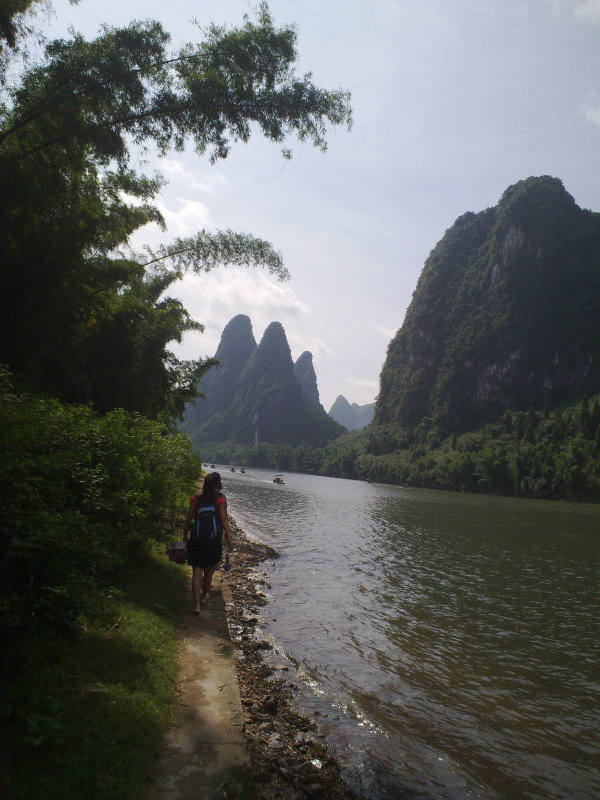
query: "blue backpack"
206, 526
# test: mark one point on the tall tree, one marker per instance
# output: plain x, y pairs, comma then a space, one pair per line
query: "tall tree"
69, 279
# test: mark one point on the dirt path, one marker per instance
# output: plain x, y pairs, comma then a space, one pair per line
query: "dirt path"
205, 756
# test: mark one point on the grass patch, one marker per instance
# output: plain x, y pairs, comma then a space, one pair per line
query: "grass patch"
89, 714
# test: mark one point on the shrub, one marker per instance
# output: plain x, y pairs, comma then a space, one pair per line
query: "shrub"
79, 495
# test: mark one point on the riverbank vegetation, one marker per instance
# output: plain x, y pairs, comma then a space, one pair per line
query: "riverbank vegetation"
539, 454
91, 391
80, 494
87, 713
86, 615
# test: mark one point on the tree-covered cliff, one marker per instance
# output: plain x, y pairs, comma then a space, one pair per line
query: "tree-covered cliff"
506, 315
491, 384
549, 454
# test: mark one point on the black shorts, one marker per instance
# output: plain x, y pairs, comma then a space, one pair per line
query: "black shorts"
201, 554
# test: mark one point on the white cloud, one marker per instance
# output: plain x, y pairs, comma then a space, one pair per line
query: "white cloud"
183, 216
591, 110
363, 383
386, 333
588, 10
191, 217
228, 292
314, 344
214, 298
175, 169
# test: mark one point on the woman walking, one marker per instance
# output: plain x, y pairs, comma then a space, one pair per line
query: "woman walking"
204, 525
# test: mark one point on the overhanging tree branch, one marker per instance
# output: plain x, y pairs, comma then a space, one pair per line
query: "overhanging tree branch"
206, 251
234, 77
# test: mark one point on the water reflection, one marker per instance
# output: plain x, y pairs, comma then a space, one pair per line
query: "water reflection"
456, 635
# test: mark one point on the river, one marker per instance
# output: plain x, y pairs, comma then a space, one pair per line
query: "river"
447, 643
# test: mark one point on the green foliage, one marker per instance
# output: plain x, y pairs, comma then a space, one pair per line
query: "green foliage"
11, 20
127, 363
125, 85
104, 698
543, 454
80, 494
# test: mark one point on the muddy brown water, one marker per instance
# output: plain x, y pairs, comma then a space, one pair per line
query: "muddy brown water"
448, 644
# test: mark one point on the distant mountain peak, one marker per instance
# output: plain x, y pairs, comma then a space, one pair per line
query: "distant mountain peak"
306, 376
341, 401
273, 354
353, 417
219, 385
238, 330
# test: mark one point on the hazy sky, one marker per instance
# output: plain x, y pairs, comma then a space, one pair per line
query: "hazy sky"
453, 102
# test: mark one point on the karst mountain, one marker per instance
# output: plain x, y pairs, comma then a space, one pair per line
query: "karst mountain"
505, 315
257, 394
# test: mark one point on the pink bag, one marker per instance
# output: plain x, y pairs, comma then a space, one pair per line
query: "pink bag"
177, 552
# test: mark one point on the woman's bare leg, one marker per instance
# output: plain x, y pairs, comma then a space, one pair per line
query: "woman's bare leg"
206, 583
197, 580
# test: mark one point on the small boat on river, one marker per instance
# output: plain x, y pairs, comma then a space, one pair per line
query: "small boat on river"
278, 479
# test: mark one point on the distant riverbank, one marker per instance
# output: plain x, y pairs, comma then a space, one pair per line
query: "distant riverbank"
543, 455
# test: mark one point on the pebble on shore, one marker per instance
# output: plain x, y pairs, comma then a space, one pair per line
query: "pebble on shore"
289, 761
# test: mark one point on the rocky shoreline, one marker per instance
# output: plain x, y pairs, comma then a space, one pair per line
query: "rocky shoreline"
289, 757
